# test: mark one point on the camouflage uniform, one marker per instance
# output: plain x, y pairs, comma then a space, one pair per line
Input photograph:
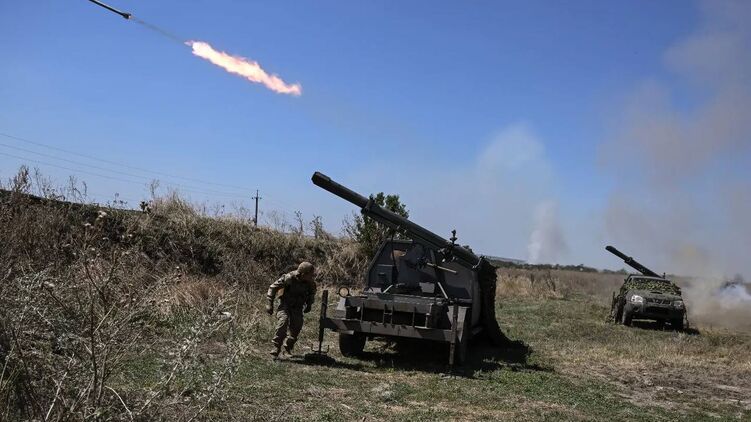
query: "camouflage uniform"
297, 297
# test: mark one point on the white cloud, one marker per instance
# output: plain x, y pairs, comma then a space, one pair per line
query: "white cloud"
514, 149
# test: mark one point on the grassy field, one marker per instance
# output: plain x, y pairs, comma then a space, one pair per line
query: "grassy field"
112, 315
576, 366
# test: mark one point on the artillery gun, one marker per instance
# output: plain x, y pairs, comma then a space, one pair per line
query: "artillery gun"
419, 286
647, 296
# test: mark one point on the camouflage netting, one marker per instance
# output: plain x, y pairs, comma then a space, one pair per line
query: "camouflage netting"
647, 284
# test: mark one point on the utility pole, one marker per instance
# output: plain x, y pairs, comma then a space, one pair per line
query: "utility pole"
255, 219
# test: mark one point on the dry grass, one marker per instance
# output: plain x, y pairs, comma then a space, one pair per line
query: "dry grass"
556, 284
114, 315
200, 294
86, 288
650, 366
562, 314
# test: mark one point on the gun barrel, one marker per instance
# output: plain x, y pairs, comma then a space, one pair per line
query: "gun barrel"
392, 220
631, 262
617, 253
325, 182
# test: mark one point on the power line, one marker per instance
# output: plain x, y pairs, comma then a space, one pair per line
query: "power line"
280, 204
78, 163
67, 168
284, 207
91, 157
96, 174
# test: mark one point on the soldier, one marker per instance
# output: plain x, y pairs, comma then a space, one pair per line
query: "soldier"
297, 298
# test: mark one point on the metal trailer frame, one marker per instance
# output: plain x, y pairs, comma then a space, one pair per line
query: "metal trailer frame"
457, 335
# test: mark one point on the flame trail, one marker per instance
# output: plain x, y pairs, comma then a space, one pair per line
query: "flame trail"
246, 68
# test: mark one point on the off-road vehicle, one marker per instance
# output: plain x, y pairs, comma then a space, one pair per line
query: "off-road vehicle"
647, 296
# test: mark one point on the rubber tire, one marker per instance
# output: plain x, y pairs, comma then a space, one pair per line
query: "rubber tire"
677, 324
618, 314
351, 344
626, 318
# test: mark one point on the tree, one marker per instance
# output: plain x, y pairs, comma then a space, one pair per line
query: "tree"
369, 233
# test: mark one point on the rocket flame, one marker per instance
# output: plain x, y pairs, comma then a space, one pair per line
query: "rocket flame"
246, 68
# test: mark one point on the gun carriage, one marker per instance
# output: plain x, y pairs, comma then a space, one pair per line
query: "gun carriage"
418, 286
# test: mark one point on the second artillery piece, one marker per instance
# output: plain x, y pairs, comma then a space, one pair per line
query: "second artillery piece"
420, 286
647, 296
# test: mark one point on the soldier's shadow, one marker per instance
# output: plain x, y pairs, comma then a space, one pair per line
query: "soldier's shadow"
427, 356
325, 359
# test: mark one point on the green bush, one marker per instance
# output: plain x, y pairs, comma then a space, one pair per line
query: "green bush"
368, 233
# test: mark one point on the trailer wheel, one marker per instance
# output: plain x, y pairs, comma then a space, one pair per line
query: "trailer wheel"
351, 344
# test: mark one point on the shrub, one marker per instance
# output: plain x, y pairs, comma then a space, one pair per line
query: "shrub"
368, 233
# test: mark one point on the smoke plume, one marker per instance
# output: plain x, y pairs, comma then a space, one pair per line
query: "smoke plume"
735, 293
727, 305
546, 244
246, 68
680, 155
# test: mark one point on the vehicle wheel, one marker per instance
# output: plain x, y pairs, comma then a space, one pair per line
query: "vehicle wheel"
626, 318
677, 324
351, 344
617, 312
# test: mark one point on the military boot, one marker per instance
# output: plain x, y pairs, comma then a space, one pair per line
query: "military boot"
275, 352
289, 344
288, 348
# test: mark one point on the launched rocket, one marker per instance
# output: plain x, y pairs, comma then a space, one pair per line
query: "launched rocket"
111, 9
238, 65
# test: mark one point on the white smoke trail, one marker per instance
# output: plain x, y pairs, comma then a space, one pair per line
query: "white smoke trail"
246, 68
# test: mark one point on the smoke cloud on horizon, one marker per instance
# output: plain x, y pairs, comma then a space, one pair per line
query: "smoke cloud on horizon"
547, 243
489, 199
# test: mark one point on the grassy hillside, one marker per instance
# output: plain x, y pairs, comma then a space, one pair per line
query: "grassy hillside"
85, 288
114, 315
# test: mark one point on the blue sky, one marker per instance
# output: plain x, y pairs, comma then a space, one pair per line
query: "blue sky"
499, 119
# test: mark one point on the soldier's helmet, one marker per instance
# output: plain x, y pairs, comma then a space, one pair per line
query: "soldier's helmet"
305, 267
